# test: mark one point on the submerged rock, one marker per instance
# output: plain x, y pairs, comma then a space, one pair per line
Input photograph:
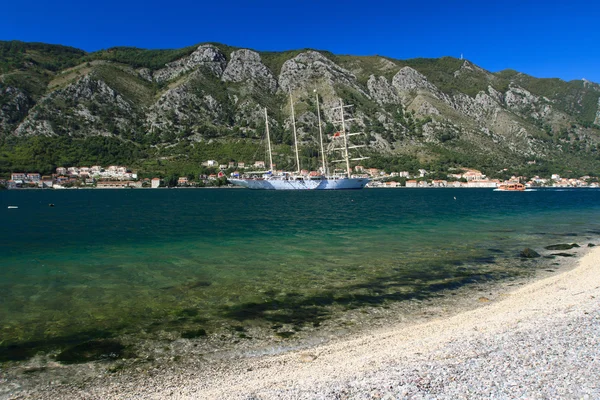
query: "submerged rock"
195, 333
561, 246
528, 253
564, 254
93, 350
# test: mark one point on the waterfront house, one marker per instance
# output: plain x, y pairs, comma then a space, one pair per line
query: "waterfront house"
473, 175
155, 183
18, 176
411, 183
241, 165
61, 171
259, 164
35, 177
182, 181
112, 184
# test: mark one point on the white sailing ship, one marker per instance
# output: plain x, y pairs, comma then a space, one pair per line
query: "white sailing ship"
342, 180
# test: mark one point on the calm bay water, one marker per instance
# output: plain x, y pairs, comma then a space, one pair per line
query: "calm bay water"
106, 263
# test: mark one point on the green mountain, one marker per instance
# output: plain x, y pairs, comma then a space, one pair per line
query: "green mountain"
166, 111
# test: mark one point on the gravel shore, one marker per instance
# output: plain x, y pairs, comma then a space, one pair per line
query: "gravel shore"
538, 341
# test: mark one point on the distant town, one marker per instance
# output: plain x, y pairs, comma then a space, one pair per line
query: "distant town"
113, 176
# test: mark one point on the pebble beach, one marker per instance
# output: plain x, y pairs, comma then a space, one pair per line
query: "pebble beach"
539, 340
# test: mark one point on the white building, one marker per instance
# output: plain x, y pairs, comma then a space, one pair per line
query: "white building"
210, 163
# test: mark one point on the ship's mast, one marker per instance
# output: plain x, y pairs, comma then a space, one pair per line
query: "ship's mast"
295, 135
269, 142
346, 156
321, 135
345, 149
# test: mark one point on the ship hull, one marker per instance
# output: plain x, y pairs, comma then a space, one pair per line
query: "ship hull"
342, 184
302, 184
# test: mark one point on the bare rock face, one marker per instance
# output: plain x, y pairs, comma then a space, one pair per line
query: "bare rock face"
32, 126
180, 106
426, 108
483, 108
408, 79
206, 56
145, 74
14, 105
496, 95
90, 88
522, 101
597, 120
304, 70
246, 66
382, 91
78, 109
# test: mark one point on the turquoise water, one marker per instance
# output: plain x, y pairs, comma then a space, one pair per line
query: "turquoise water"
109, 263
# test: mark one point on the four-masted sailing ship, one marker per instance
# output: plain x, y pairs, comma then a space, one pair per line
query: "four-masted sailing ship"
339, 180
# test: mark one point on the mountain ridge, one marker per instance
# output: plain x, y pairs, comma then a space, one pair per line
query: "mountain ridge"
175, 104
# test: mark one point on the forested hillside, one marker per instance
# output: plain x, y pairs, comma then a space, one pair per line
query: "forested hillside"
166, 111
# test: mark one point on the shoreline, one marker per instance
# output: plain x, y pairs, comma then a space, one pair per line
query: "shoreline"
365, 188
332, 367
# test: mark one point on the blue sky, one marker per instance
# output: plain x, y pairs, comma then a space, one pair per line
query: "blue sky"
541, 38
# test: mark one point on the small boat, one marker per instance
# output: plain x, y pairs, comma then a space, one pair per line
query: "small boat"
511, 187
13, 206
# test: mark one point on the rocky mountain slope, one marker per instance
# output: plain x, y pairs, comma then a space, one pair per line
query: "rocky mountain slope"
209, 100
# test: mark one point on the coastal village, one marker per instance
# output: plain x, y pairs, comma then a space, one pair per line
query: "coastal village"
113, 177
